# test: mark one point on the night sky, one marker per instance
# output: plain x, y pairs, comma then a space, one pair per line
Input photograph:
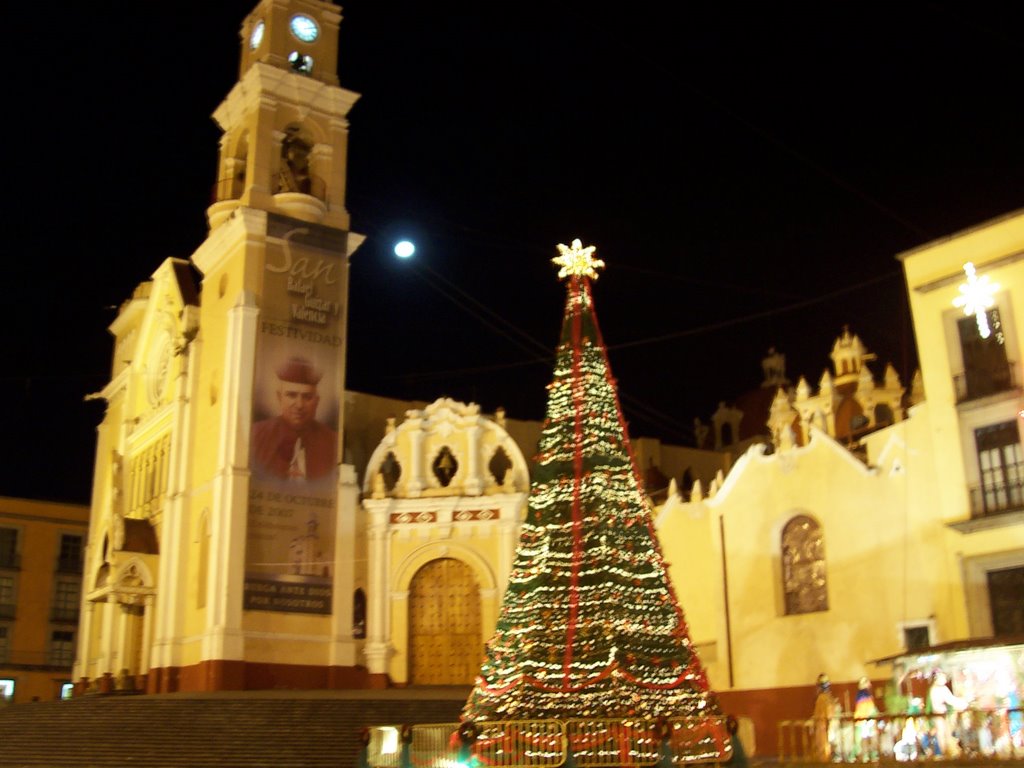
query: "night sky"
748, 176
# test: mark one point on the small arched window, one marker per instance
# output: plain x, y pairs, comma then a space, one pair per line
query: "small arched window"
445, 466
726, 435
359, 615
804, 580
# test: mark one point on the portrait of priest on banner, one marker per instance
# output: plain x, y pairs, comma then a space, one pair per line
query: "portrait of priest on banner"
293, 445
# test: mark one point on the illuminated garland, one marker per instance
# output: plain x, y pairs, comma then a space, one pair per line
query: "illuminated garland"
590, 625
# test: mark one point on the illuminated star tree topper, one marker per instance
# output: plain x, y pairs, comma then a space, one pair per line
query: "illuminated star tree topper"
577, 260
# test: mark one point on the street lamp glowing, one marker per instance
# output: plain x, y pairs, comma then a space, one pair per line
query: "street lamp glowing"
404, 249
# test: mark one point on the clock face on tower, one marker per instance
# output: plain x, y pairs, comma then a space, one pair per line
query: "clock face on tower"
304, 28
257, 35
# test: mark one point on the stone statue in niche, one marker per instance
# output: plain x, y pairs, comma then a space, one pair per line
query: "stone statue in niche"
295, 175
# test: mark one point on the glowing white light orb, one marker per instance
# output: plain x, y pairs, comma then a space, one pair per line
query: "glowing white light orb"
404, 249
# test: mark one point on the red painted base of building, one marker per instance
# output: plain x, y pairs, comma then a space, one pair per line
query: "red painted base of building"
221, 675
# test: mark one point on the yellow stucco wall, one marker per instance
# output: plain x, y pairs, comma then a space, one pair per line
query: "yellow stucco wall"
40, 525
934, 273
883, 558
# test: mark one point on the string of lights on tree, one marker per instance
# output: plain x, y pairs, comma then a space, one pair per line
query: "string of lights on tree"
590, 625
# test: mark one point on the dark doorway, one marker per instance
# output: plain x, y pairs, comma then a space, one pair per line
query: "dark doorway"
1006, 596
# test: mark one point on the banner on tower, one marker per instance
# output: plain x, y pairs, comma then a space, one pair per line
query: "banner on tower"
293, 454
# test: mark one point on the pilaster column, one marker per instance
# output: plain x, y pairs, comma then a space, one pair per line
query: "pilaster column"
343, 648
474, 483
165, 612
84, 646
107, 639
376, 648
337, 213
264, 147
223, 639
147, 634
415, 486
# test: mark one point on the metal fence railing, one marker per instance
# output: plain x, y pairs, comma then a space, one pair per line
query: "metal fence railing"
974, 734
592, 743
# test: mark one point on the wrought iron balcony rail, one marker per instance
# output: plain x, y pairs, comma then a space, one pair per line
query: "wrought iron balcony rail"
975, 384
593, 743
975, 734
998, 498
62, 659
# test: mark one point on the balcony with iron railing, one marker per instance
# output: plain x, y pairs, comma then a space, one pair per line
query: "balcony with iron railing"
997, 498
55, 659
975, 735
974, 384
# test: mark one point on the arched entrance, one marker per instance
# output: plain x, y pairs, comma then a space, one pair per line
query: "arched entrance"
445, 646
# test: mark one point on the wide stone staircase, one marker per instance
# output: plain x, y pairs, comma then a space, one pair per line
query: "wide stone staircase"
264, 728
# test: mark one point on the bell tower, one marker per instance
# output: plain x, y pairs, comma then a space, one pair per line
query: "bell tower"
285, 122
295, 36
255, 580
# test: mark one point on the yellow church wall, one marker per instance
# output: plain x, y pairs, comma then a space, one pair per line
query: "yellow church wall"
906, 450
366, 419
880, 567
200, 571
284, 638
691, 549
222, 289
674, 460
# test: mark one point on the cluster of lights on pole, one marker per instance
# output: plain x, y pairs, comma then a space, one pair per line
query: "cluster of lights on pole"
977, 296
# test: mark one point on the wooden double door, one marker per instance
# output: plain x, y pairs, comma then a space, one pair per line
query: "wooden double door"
445, 644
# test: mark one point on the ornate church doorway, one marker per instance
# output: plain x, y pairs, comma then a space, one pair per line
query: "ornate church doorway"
445, 646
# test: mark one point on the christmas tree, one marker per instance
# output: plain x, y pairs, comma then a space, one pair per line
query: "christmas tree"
590, 625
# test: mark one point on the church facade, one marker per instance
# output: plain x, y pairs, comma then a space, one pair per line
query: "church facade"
253, 524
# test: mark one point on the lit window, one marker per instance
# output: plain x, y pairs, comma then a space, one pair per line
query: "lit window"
6, 689
67, 690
